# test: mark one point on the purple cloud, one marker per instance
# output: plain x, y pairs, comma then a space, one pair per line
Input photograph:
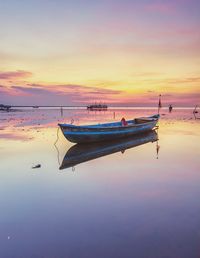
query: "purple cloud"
69, 94
68, 88
56, 94
30, 90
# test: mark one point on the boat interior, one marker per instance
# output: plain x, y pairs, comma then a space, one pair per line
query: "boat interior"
117, 124
140, 120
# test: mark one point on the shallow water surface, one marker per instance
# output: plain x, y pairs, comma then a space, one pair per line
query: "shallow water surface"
140, 201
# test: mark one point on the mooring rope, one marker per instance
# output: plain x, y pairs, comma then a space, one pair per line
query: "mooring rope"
58, 153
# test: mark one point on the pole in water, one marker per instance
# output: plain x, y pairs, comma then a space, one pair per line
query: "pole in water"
159, 104
61, 111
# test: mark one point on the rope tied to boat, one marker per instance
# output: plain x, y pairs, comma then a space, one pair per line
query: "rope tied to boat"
58, 153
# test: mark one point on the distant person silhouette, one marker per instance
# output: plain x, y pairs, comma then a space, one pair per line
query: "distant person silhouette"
170, 108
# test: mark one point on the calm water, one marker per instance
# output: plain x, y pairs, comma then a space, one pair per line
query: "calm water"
143, 202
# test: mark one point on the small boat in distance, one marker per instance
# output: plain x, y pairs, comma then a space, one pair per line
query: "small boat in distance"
80, 153
108, 131
97, 107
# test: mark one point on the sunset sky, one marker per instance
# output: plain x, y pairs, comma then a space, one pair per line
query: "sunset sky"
122, 52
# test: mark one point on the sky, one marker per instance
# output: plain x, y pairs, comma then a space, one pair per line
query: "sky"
121, 52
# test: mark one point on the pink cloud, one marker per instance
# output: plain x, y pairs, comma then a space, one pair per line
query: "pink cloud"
19, 74
66, 89
7, 91
69, 94
57, 94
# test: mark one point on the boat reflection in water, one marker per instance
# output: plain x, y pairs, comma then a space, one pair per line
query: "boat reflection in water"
80, 153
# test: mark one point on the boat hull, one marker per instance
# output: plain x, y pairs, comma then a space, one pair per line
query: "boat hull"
106, 132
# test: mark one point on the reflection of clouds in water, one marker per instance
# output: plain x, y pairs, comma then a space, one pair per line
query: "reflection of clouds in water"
15, 136
136, 182
43, 118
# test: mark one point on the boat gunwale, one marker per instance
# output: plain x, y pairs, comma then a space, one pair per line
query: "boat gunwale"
106, 128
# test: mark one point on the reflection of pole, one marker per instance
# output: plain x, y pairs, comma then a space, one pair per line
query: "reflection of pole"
157, 149
113, 115
157, 145
61, 111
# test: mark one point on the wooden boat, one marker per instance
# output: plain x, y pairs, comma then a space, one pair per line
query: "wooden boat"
80, 153
108, 131
97, 107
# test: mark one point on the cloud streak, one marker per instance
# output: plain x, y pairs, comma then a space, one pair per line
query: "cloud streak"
19, 74
66, 89
83, 95
57, 94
